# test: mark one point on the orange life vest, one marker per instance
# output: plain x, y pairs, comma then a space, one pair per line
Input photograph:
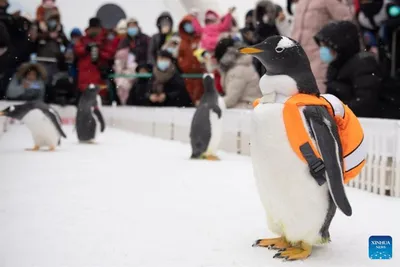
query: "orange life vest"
350, 130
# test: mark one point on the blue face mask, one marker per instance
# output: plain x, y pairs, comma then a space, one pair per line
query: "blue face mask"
188, 27
163, 64
325, 54
133, 31
171, 50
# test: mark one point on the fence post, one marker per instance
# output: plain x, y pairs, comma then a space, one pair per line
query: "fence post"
395, 184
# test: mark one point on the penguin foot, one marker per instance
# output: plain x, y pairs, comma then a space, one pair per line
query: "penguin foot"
272, 243
295, 253
35, 148
52, 148
212, 157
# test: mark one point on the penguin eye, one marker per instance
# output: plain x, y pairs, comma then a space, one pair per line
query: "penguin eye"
279, 49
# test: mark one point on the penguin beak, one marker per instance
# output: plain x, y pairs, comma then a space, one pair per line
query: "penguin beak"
250, 50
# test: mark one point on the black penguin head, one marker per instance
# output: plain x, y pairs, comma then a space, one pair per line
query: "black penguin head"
16, 111
91, 90
282, 55
208, 83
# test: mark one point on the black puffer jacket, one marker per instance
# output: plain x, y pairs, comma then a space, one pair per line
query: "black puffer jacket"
354, 77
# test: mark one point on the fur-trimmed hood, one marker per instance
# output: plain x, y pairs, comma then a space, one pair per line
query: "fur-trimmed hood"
26, 67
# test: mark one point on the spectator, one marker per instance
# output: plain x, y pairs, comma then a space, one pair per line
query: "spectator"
28, 83
140, 93
43, 11
353, 76
309, 18
51, 41
249, 19
187, 61
165, 25
213, 28
247, 32
168, 85
124, 64
75, 35
238, 76
136, 41
93, 53
70, 59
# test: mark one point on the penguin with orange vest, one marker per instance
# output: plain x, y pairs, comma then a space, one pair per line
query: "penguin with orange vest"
304, 147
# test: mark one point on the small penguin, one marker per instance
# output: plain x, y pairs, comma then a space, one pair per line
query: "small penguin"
206, 127
89, 120
43, 121
299, 208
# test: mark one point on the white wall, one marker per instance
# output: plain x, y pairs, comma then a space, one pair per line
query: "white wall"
76, 13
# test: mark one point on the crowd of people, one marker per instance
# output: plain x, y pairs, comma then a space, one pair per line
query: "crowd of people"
349, 44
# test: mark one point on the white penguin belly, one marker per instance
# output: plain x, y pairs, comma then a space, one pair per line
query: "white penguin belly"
296, 206
216, 129
44, 132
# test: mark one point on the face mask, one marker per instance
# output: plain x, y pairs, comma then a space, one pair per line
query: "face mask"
110, 36
133, 31
163, 65
171, 50
188, 27
52, 24
325, 54
165, 29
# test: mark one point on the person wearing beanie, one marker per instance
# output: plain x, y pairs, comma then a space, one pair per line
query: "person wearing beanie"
168, 87
165, 25
93, 52
353, 75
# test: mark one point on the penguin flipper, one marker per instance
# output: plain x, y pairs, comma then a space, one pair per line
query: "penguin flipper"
54, 117
326, 136
200, 132
99, 116
218, 111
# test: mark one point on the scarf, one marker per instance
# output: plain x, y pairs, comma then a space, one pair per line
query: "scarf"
161, 77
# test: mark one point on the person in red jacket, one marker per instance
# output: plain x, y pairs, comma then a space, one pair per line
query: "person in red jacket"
93, 52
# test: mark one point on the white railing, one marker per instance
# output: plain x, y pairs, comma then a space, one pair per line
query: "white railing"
380, 176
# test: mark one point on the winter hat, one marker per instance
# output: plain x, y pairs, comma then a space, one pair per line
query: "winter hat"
222, 47
249, 13
94, 22
165, 53
211, 15
163, 18
132, 20
76, 32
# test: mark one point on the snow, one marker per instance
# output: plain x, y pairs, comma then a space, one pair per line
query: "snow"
135, 201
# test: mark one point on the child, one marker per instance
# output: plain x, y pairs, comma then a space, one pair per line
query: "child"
213, 28
353, 76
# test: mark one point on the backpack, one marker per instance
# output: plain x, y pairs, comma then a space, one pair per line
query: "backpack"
349, 128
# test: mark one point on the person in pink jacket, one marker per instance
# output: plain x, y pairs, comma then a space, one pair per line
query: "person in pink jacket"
213, 28
309, 18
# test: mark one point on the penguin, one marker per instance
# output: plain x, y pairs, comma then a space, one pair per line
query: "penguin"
299, 208
206, 126
43, 121
89, 120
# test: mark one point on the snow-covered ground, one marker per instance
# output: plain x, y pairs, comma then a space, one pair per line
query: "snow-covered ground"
139, 202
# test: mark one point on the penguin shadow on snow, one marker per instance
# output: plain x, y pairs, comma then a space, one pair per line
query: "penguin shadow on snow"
206, 126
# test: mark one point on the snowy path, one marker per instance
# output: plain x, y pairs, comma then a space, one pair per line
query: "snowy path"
139, 202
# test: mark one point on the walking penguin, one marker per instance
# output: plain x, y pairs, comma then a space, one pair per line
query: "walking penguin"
206, 127
304, 148
89, 120
42, 120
